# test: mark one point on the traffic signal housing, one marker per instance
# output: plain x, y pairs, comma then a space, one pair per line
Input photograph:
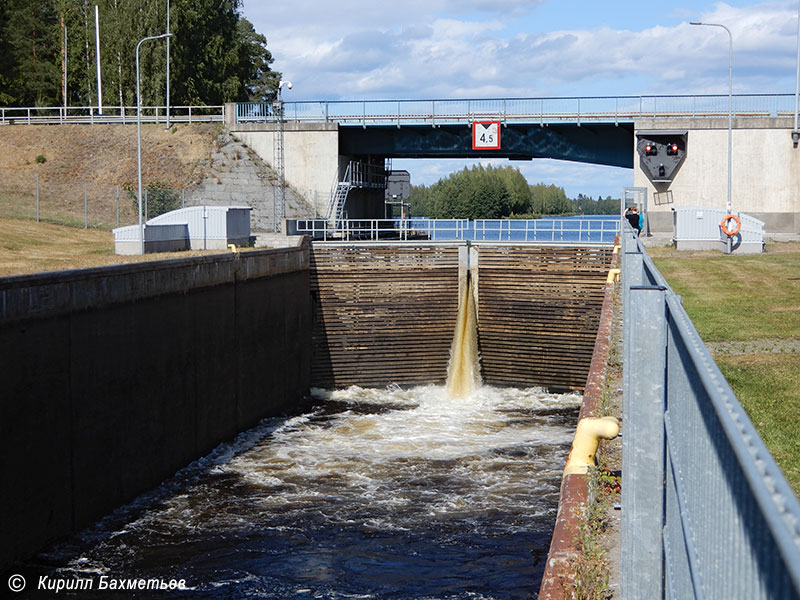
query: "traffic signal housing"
661, 153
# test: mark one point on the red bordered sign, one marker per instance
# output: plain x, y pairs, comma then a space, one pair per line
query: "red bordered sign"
486, 135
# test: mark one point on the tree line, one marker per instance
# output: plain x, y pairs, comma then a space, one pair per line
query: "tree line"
487, 192
216, 55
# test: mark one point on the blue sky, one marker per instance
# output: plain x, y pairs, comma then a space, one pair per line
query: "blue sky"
366, 49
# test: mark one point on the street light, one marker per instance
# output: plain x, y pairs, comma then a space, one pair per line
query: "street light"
730, 101
796, 132
139, 135
279, 192
167, 108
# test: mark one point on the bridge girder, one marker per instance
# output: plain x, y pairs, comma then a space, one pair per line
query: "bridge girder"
596, 143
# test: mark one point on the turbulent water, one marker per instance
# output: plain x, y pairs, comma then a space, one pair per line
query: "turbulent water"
390, 494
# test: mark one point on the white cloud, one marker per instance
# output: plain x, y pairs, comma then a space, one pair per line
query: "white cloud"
354, 49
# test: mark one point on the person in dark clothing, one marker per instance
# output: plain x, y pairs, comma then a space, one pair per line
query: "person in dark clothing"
634, 218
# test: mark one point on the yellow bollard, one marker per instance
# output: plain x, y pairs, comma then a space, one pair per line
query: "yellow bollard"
617, 248
587, 438
613, 275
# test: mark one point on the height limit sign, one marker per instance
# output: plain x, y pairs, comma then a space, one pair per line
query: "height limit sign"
486, 135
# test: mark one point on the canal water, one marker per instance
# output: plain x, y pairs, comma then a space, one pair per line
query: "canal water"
386, 494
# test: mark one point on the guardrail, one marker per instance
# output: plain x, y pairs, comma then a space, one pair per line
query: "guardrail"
555, 230
111, 114
706, 512
605, 109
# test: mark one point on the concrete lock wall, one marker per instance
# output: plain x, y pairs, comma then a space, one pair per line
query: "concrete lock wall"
114, 378
765, 167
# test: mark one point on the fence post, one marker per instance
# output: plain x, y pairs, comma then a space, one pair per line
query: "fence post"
643, 442
37, 197
117, 202
85, 208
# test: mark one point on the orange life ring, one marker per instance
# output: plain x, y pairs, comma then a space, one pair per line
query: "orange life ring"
724, 225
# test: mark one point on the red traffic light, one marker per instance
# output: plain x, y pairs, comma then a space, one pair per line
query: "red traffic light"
650, 150
672, 149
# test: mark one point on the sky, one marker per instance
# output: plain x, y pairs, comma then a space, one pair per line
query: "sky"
430, 49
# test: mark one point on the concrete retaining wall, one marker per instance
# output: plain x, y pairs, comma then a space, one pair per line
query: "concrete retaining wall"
114, 378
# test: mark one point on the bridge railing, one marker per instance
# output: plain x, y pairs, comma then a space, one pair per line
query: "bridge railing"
555, 230
706, 512
42, 115
605, 109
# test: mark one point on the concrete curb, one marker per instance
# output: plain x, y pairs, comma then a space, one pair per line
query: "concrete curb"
557, 577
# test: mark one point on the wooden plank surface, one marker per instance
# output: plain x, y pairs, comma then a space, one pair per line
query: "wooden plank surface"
386, 313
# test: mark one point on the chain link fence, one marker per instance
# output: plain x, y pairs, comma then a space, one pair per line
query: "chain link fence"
84, 204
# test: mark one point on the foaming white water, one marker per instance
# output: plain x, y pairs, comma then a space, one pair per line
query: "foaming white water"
417, 449
390, 494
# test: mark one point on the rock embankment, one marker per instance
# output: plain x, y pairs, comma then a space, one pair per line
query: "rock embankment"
99, 163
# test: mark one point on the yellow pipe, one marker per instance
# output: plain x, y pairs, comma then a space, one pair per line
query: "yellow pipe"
613, 275
617, 248
587, 438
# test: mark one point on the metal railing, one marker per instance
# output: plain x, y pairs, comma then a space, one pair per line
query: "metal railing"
584, 230
706, 512
605, 109
111, 114
559, 231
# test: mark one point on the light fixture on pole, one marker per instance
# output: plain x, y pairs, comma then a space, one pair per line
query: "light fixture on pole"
97, 56
279, 191
139, 136
167, 108
796, 131
730, 102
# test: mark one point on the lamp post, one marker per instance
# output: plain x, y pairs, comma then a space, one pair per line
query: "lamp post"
139, 136
279, 192
730, 101
796, 131
167, 108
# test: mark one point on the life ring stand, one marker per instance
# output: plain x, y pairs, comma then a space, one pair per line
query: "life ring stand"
724, 225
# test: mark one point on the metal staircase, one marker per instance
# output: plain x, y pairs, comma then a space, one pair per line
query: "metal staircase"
339, 197
359, 174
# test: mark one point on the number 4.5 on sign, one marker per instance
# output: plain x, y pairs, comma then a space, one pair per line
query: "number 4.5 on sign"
486, 135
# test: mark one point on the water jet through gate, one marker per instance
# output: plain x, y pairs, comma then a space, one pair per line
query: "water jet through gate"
463, 370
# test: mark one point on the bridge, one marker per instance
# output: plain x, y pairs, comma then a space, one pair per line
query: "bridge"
335, 153
707, 511
323, 138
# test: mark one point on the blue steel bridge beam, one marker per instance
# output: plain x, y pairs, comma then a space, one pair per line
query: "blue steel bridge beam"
595, 143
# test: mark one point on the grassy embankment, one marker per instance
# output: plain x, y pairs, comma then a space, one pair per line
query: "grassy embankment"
30, 247
746, 309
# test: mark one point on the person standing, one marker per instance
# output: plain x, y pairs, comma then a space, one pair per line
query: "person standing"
634, 218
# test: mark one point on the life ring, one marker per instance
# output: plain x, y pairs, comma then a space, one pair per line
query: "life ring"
724, 225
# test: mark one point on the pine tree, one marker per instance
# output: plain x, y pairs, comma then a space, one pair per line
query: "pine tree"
216, 55
31, 35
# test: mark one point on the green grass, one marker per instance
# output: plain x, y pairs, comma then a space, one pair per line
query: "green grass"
767, 386
738, 298
749, 298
